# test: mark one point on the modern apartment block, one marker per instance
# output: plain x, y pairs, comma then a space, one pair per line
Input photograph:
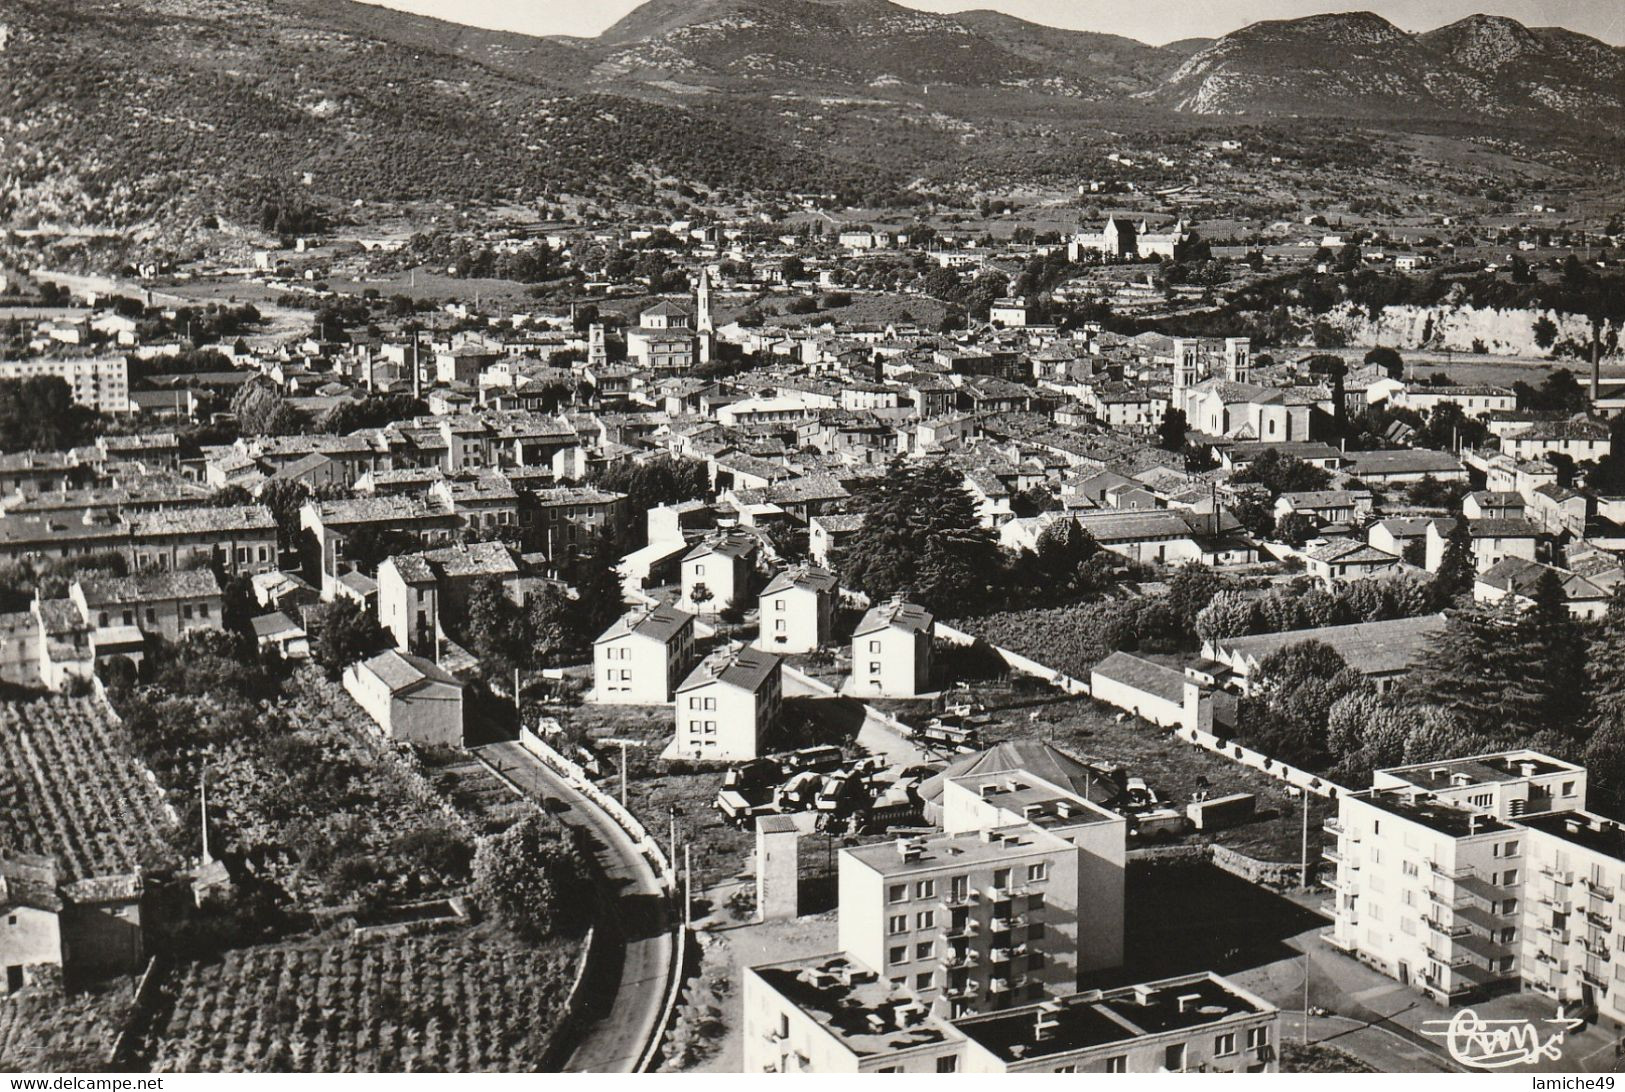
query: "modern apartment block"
1476, 873
831, 1014
100, 383
965, 951
1197, 1023
797, 610
891, 651
987, 915
969, 922
1574, 949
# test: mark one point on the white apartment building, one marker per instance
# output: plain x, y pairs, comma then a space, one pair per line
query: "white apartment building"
963, 952
891, 651
797, 610
719, 569
1475, 401
1460, 875
642, 656
727, 704
831, 1014
98, 383
1197, 1023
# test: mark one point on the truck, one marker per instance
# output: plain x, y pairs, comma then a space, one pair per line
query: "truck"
1222, 811
758, 773
800, 792
827, 757
1157, 823
947, 733
738, 810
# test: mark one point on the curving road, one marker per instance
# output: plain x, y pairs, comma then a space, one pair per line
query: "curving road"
626, 990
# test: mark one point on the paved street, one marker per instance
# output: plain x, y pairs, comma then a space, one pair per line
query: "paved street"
629, 985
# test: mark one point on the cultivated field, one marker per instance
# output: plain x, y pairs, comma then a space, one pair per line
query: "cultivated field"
40, 1029
71, 790
468, 1003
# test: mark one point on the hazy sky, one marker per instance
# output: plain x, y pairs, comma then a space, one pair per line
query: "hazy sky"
1155, 21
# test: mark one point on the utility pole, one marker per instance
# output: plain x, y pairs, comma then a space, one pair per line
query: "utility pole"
1306, 994
623, 773
672, 837
1304, 863
203, 803
688, 881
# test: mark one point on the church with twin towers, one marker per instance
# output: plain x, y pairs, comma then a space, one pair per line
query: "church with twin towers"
1213, 387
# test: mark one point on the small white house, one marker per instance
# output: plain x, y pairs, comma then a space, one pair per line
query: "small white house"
727, 704
640, 659
411, 698
891, 651
276, 632
797, 610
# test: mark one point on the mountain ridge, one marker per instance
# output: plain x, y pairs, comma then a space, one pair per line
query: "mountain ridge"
166, 112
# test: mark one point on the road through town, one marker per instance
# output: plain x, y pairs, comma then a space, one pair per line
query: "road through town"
628, 987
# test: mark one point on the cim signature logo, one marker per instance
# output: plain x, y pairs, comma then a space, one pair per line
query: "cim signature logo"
1500, 1044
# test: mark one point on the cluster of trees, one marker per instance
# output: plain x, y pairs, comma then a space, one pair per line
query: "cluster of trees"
374, 411
345, 632
975, 296
922, 537
290, 213
1559, 392
554, 625
39, 414
1494, 678
466, 257
660, 481
1282, 474
1445, 427
1234, 612
531, 877
20, 581
262, 411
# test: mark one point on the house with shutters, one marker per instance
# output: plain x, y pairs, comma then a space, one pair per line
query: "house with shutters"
727, 705
797, 610
642, 657
891, 651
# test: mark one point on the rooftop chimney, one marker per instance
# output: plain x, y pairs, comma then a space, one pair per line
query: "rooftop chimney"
1188, 1001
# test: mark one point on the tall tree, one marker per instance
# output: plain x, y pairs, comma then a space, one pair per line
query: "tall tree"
1555, 649
1288, 709
1494, 672
39, 414
1171, 433
346, 632
531, 876
1458, 568
921, 536
495, 630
